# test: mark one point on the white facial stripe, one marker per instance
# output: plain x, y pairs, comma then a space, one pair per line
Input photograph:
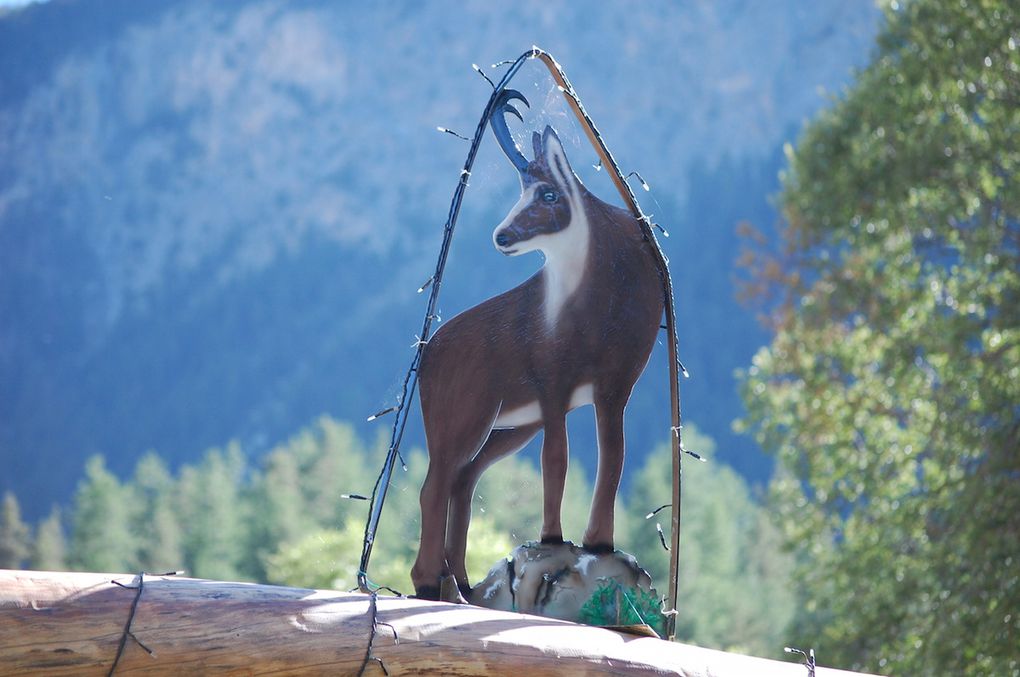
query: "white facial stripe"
532, 411
526, 198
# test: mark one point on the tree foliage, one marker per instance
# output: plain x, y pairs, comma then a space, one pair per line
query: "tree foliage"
49, 549
158, 532
102, 538
734, 577
890, 393
14, 534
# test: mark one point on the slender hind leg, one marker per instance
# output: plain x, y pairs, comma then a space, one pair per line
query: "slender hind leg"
429, 566
501, 443
609, 420
554, 475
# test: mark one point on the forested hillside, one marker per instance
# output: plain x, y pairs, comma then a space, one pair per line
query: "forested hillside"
213, 221
214, 216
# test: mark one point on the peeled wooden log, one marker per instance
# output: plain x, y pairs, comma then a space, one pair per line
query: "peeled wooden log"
58, 623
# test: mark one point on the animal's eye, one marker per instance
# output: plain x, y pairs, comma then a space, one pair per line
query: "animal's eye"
550, 196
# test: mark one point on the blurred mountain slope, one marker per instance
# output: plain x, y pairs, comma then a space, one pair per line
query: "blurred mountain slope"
214, 217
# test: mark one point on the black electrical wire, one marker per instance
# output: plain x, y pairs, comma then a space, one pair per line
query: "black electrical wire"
434, 284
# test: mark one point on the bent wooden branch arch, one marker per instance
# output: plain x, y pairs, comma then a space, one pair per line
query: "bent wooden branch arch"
606, 158
54, 623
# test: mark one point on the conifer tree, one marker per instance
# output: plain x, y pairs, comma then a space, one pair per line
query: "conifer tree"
214, 515
156, 524
15, 536
49, 552
102, 538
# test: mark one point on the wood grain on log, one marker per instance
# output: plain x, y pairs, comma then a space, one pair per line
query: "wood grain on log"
58, 623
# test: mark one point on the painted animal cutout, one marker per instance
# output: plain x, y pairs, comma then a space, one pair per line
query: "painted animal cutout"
577, 332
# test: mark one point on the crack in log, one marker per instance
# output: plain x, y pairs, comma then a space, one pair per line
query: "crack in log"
127, 626
131, 617
373, 610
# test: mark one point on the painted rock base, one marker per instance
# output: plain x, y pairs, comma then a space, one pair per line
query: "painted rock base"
565, 581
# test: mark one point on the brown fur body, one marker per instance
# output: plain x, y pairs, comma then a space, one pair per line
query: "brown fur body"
502, 355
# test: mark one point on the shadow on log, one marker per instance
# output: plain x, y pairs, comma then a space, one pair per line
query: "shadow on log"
56, 623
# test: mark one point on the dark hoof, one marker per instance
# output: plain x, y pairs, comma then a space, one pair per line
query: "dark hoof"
552, 540
599, 549
429, 592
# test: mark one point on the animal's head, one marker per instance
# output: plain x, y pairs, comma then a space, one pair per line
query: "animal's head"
551, 195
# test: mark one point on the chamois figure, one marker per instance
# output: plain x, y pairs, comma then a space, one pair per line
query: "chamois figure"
577, 332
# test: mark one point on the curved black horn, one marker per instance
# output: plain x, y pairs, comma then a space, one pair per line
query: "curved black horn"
499, 129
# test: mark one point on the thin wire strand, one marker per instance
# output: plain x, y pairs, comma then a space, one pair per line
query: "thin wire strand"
411, 379
809, 658
127, 625
128, 633
373, 612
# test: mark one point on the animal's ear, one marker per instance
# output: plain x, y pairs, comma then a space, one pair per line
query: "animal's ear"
555, 156
536, 144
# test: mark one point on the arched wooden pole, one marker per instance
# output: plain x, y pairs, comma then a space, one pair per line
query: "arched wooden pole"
620, 181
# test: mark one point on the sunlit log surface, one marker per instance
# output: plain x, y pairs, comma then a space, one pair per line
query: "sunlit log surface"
58, 623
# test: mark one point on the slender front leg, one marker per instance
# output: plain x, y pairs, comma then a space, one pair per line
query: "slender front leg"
609, 419
554, 475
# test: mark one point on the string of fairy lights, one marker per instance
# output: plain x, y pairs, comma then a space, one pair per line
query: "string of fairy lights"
433, 285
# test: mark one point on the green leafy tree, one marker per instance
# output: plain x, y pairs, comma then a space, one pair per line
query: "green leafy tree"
329, 558
734, 576
890, 393
510, 492
49, 552
324, 559
102, 538
15, 537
